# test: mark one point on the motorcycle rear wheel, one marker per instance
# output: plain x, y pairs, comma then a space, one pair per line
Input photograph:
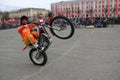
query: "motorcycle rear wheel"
38, 58
62, 27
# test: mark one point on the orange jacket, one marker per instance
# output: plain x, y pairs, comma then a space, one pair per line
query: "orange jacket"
24, 30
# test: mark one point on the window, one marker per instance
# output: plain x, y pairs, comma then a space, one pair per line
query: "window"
91, 7
99, 1
110, 14
103, 6
106, 5
87, 3
99, 11
111, 10
99, 6
96, 15
119, 9
91, 2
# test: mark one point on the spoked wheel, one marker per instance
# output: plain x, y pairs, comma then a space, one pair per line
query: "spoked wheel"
38, 58
62, 27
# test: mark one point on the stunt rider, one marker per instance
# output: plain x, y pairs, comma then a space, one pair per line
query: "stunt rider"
28, 36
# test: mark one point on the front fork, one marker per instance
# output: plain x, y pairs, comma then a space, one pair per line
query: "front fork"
51, 31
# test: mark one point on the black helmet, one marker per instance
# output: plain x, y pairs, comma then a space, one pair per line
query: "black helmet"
23, 17
50, 14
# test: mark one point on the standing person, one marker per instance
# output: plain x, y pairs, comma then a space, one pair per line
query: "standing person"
99, 23
40, 19
111, 21
104, 22
28, 37
51, 16
0, 25
92, 20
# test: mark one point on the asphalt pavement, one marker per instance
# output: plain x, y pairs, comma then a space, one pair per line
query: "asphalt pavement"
91, 54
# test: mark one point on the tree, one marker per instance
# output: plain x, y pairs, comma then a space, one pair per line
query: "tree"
1, 14
5, 16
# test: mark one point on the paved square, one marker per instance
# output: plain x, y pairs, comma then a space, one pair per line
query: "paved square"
91, 54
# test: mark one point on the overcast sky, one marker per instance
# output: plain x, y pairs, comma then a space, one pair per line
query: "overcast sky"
28, 3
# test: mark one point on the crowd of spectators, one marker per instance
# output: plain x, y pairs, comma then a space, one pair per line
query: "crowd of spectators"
9, 24
96, 21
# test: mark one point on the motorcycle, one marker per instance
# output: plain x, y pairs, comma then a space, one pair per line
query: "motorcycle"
60, 26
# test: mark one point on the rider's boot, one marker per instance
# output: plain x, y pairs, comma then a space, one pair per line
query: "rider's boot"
50, 39
37, 46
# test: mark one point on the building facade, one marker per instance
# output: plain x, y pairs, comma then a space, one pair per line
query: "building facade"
30, 12
90, 8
